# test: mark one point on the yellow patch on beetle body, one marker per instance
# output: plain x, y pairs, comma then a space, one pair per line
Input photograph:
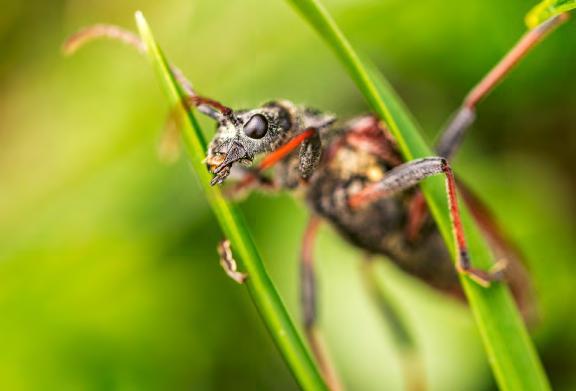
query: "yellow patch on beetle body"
350, 162
375, 173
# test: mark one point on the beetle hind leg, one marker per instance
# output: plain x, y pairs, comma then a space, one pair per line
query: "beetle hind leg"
409, 174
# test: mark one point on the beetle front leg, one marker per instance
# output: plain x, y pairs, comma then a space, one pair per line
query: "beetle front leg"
409, 174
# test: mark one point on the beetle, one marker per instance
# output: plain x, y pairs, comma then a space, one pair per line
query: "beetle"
352, 176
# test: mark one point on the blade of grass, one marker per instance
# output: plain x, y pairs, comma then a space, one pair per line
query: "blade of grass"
510, 351
259, 284
547, 9
390, 310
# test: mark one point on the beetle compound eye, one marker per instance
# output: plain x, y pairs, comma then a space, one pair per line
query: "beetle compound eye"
256, 127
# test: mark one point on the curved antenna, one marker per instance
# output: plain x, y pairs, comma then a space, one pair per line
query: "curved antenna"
207, 106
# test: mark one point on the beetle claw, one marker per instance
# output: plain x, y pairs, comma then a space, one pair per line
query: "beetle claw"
229, 263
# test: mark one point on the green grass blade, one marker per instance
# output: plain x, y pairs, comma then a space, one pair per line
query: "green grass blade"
261, 288
510, 351
547, 9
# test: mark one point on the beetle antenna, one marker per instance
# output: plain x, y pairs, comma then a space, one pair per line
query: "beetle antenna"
207, 106
226, 111
97, 31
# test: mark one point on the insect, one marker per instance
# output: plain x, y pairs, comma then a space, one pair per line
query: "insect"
352, 176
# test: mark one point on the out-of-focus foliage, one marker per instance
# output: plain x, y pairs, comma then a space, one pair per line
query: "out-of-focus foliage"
108, 271
547, 9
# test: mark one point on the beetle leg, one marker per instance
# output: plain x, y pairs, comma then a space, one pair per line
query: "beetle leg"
452, 134
308, 303
228, 262
409, 174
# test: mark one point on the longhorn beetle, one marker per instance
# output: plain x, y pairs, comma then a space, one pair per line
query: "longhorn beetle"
352, 176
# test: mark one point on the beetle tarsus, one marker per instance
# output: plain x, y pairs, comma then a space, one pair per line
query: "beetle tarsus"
228, 262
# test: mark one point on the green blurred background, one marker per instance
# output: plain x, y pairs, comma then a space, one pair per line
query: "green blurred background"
109, 277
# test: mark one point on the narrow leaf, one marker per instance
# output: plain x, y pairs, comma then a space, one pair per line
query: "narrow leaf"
547, 9
259, 284
510, 351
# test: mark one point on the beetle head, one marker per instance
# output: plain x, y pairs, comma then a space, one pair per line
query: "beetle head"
242, 135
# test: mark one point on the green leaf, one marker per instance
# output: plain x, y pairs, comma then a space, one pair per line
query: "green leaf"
547, 9
259, 284
510, 351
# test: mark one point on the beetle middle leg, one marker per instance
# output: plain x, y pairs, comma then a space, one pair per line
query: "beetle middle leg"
309, 306
409, 174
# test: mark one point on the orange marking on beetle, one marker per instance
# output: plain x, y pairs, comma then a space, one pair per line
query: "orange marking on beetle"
285, 149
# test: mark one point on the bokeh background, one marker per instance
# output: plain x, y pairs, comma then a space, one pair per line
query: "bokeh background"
108, 272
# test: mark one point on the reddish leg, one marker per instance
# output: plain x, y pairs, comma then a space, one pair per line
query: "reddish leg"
410, 174
451, 136
308, 302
